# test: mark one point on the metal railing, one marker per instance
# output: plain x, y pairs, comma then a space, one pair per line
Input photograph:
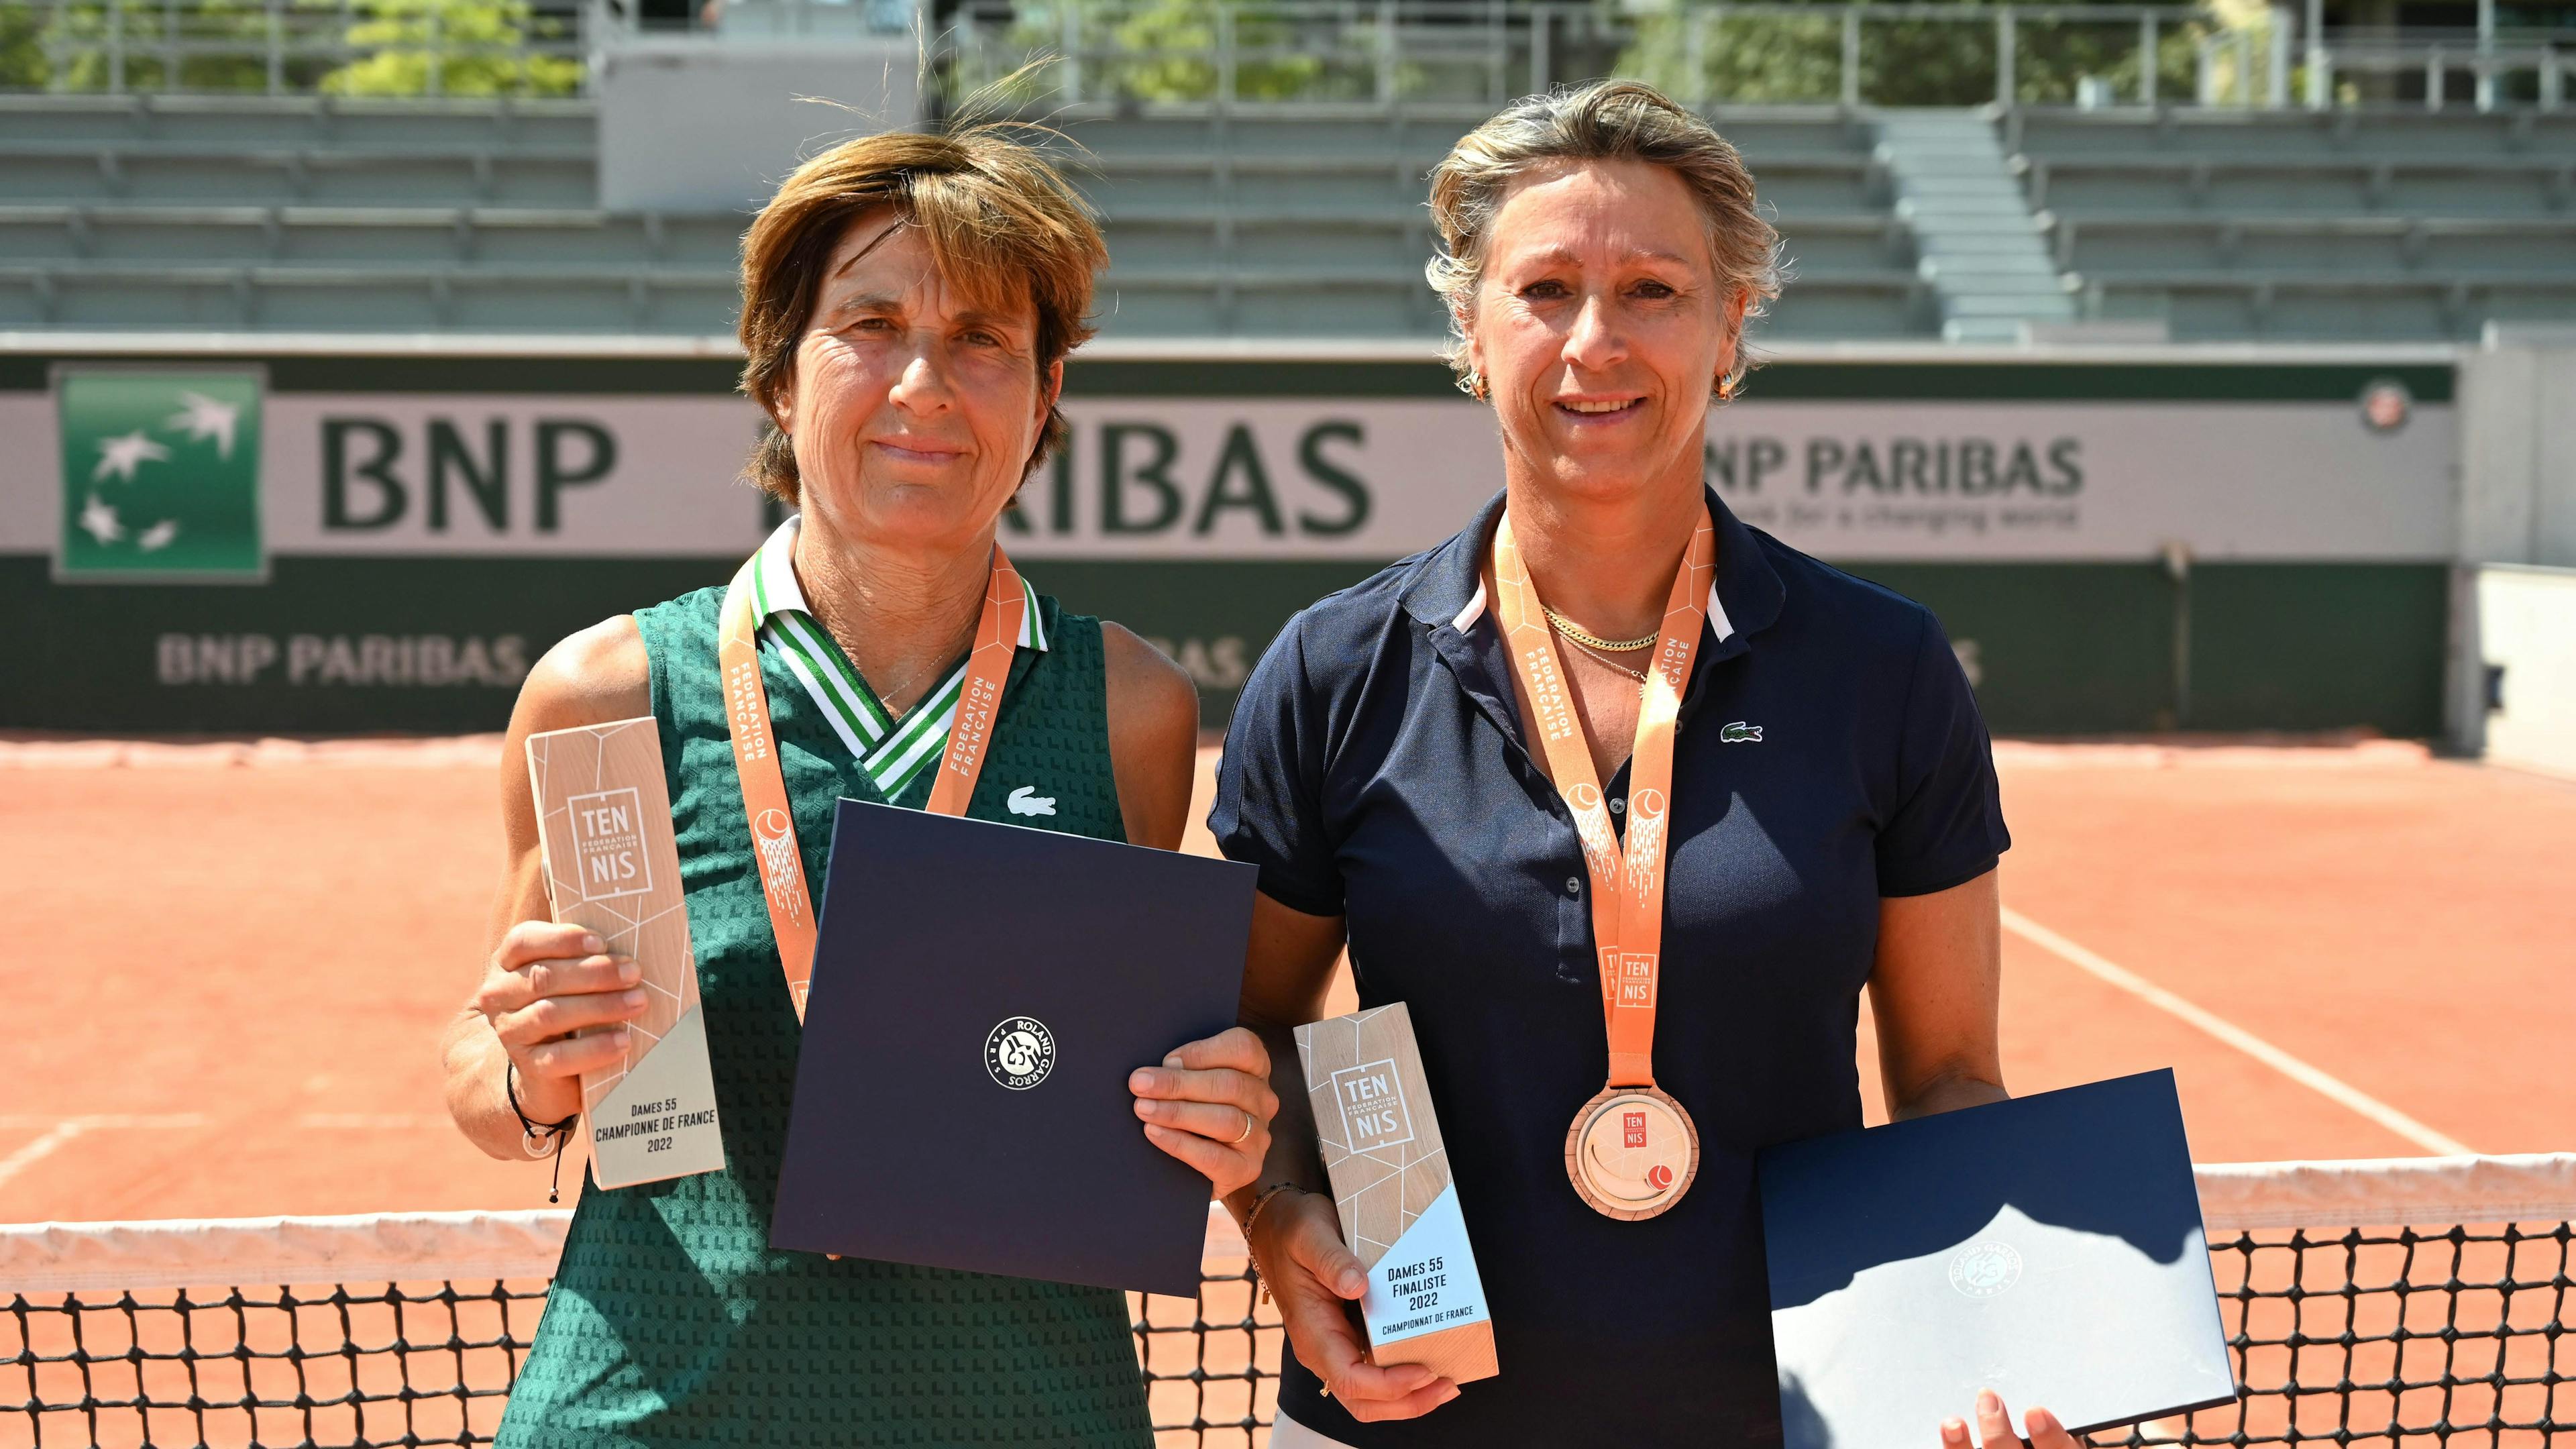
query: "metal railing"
1485, 51
2491, 61
290, 47
1237, 53
612, 22
1241, 52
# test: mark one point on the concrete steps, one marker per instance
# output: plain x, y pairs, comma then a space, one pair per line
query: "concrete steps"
1977, 242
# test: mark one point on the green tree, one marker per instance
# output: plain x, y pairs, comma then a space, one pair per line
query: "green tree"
414, 43
22, 54
1708, 53
226, 45
1160, 50
204, 45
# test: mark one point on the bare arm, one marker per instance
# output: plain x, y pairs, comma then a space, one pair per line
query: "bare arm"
1933, 992
541, 982
1153, 737
1286, 973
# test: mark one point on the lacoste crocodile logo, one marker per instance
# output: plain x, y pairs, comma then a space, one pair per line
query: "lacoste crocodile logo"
1740, 733
1026, 801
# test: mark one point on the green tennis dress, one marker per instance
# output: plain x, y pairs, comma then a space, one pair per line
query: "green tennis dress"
671, 1320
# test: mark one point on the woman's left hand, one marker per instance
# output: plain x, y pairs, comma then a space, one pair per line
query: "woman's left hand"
1209, 1104
1995, 1428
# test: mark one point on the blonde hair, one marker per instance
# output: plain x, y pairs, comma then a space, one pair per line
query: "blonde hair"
1604, 121
1001, 224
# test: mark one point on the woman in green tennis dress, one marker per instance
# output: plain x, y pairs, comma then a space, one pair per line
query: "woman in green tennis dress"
908, 301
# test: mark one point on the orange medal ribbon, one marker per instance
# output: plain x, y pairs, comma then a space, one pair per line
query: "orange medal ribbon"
1632, 1151
764, 789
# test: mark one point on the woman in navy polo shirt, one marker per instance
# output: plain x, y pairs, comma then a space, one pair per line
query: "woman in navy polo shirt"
1769, 777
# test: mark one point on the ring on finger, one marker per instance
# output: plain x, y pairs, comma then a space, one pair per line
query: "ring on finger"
1245, 1133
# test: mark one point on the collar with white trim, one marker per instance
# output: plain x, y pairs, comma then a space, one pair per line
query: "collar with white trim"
774, 585
1446, 588
892, 751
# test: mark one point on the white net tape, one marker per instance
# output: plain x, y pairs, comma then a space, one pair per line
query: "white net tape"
363, 1248
400, 1247
2379, 1305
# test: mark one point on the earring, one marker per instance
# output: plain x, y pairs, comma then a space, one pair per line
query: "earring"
1472, 383
1725, 390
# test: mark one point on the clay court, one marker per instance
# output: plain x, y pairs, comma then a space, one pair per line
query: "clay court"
231, 961
235, 958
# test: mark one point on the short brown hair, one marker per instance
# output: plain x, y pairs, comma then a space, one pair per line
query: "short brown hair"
997, 215
1603, 121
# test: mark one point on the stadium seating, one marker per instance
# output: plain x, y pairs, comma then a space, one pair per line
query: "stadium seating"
310, 213
295, 150
2304, 225
1311, 220
306, 213
316, 213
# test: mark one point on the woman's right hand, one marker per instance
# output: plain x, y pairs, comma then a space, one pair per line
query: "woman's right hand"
1297, 1240
545, 982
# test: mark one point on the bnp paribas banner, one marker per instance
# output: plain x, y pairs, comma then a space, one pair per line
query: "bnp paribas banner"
352, 540
125, 474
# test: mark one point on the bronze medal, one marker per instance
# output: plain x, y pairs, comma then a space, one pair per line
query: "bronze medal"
1632, 1151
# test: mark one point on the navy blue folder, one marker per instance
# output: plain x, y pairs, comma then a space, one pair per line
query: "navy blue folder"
980, 993
2048, 1248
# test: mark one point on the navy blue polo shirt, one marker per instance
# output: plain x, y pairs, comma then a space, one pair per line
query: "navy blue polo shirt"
1376, 770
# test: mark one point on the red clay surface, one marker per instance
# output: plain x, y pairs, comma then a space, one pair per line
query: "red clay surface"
226, 978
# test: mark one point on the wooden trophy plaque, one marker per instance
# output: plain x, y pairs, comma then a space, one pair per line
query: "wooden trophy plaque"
613, 865
1425, 1302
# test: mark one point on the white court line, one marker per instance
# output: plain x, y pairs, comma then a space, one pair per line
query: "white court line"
63, 1129
36, 1151
2315, 1079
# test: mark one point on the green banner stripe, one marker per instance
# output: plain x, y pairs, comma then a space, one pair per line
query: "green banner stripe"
441, 645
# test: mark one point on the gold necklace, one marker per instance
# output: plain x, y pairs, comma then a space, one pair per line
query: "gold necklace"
887, 697
1589, 640
1638, 675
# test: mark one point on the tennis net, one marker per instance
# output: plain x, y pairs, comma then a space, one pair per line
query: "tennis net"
2402, 1302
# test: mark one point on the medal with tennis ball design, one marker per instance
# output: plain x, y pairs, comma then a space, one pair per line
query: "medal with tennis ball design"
1632, 1151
